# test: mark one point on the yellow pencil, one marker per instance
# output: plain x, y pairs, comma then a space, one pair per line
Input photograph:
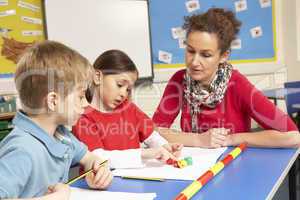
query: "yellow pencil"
84, 174
143, 178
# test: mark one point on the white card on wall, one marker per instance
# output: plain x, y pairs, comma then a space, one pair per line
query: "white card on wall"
240, 5
7, 13
3, 2
164, 57
256, 32
29, 6
181, 43
31, 20
192, 5
236, 44
265, 3
178, 32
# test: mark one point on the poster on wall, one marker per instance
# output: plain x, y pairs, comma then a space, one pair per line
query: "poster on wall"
21, 25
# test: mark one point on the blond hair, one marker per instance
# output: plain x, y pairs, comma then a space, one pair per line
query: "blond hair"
49, 66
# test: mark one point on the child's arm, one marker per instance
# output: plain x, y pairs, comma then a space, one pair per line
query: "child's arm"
133, 158
266, 138
101, 176
155, 140
57, 192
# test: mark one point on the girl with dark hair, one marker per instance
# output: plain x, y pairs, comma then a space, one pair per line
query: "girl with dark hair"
112, 125
216, 102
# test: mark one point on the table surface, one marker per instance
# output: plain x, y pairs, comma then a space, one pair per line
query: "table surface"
256, 174
279, 93
297, 105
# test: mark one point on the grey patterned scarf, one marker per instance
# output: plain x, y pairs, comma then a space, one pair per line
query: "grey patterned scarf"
195, 95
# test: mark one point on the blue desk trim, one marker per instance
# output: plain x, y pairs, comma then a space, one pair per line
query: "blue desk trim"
255, 174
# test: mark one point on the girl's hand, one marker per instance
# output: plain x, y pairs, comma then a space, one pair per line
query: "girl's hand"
159, 153
174, 148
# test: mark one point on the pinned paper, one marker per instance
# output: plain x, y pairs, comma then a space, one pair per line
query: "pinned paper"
3, 2
29, 6
178, 32
236, 44
164, 57
181, 43
240, 5
265, 3
4, 31
7, 13
256, 32
31, 20
192, 5
32, 33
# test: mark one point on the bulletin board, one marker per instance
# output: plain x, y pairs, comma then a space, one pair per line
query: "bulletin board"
21, 25
256, 41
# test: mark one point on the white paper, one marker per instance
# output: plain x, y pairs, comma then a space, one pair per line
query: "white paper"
31, 20
86, 194
4, 31
29, 6
192, 5
256, 32
3, 2
265, 3
236, 44
178, 32
203, 159
240, 5
164, 57
181, 43
7, 13
32, 33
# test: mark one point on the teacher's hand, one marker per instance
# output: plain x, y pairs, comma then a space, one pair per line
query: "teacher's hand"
215, 137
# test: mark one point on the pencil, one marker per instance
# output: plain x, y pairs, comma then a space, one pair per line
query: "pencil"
143, 178
84, 174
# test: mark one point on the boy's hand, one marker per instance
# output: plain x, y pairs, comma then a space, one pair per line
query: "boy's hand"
100, 178
174, 148
159, 153
59, 191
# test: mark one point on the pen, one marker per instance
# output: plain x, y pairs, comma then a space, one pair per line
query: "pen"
143, 178
84, 174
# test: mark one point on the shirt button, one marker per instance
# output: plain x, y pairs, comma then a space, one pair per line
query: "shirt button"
66, 156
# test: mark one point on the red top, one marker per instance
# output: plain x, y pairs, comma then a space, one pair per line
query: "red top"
242, 101
123, 129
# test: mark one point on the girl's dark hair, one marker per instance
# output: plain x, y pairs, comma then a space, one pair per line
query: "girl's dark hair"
216, 20
111, 62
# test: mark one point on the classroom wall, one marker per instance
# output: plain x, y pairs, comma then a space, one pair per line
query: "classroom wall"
290, 22
262, 75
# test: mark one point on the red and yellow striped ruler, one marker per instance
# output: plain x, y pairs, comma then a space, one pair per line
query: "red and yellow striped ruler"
196, 185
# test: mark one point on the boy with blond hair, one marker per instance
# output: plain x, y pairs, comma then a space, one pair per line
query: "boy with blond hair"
35, 157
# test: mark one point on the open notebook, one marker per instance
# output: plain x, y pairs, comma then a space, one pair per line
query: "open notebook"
203, 159
87, 194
